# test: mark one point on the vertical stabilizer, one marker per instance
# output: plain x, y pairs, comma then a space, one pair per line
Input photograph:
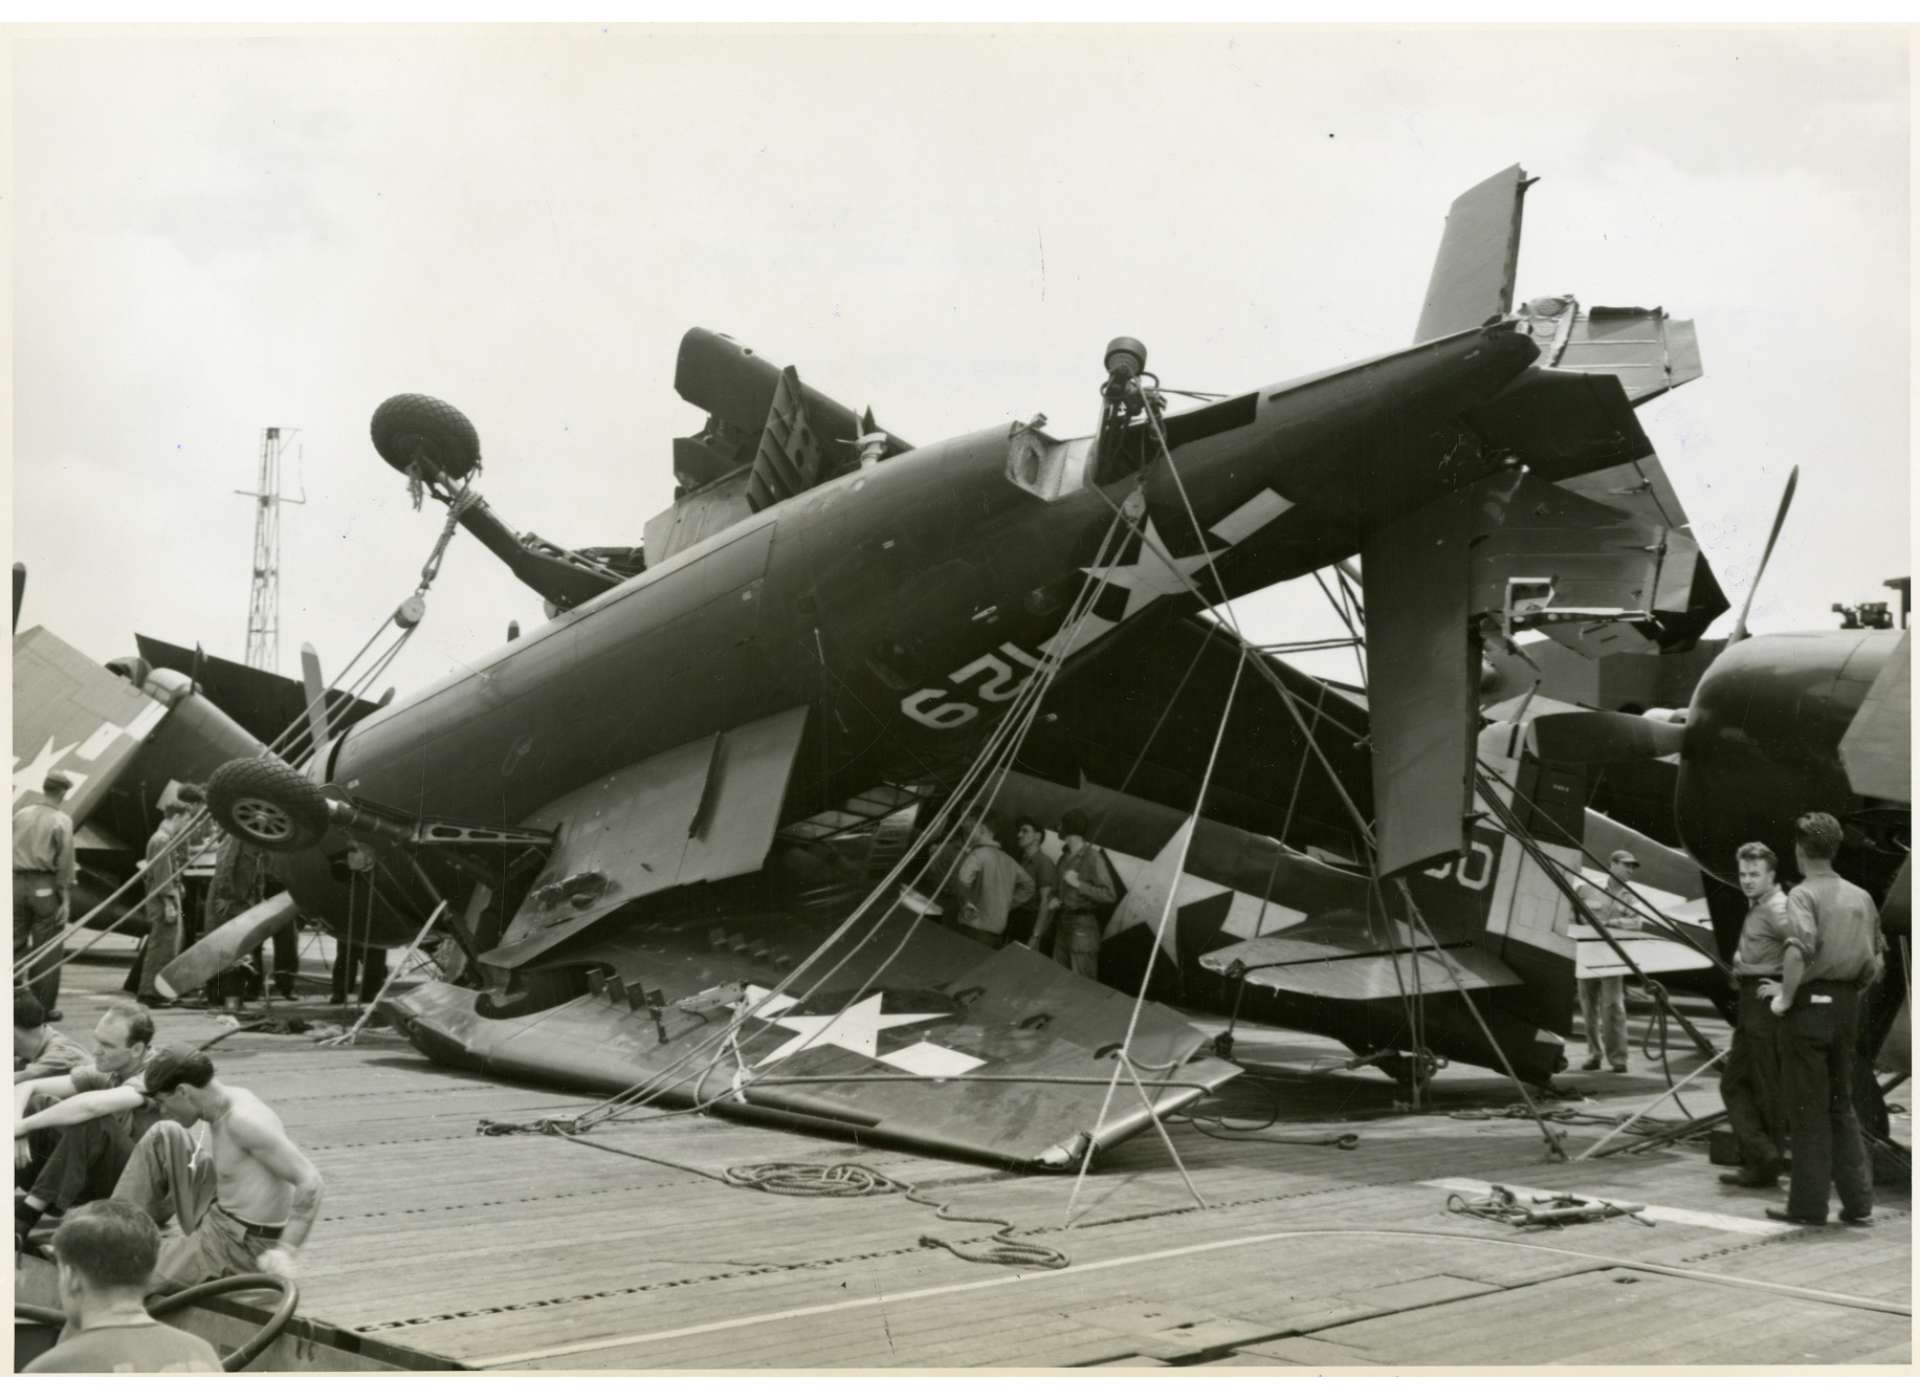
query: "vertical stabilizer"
1473, 272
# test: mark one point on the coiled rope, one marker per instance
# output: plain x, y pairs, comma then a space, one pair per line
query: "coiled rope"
826, 1181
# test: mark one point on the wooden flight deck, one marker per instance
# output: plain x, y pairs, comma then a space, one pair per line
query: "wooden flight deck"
440, 1247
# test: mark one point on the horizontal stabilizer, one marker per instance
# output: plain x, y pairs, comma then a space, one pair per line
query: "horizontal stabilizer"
1646, 350
1562, 424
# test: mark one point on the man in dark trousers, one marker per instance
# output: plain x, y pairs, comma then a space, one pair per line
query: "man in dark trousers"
1085, 886
1836, 951
1035, 918
44, 869
62, 1160
1750, 1081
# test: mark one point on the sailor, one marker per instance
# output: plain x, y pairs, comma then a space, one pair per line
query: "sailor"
239, 883
70, 1144
1032, 922
1750, 1081
1085, 886
40, 1051
43, 876
1837, 950
245, 1198
105, 1253
989, 882
167, 855
1603, 1000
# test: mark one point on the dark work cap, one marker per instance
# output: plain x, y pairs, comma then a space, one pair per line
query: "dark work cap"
169, 1066
56, 784
192, 794
1628, 856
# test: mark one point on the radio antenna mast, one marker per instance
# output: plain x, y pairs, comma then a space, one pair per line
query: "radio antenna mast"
263, 605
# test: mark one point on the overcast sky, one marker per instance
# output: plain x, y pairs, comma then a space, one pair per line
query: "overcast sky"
215, 234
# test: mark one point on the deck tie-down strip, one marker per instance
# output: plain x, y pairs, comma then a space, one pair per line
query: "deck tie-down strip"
1207, 1247
800, 1265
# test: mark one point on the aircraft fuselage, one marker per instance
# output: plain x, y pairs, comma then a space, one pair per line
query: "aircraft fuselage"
906, 602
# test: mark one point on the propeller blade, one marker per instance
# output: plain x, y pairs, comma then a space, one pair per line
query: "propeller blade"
226, 945
1603, 736
1779, 519
19, 592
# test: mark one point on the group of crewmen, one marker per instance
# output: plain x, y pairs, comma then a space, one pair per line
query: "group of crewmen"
103, 1141
1050, 906
1799, 1066
104, 1145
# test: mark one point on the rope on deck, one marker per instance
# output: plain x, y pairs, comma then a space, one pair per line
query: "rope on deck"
824, 1181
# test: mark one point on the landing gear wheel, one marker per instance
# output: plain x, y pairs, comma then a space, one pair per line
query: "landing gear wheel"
1409, 1070
267, 804
410, 426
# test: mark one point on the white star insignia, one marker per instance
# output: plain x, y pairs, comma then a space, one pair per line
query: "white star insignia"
1150, 884
1155, 574
857, 1028
34, 776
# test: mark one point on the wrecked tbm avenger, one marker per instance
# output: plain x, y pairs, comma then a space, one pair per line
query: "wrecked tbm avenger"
664, 828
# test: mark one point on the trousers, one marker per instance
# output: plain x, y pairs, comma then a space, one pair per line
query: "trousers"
161, 945
1603, 1007
38, 918
170, 1180
1750, 1084
77, 1164
1818, 1037
1076, 942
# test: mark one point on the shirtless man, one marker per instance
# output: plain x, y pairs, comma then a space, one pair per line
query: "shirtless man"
245, 1199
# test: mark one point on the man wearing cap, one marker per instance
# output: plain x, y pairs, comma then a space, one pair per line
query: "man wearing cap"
167, 856
43, 876
245, 1198
1750, 1080
1603, 1000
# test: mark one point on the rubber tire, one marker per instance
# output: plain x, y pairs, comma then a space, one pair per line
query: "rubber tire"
266, 803
410, 425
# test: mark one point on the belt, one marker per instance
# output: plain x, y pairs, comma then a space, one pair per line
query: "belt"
18, 871
252, 1231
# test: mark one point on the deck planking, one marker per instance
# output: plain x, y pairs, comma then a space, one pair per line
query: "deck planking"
536, 1253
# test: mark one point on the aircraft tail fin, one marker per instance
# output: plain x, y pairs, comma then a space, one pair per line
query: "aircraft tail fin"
1472, 281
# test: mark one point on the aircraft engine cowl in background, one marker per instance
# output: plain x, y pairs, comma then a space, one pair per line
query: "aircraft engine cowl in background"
1762, 746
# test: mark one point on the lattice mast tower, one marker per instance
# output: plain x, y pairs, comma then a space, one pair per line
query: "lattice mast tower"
263, 606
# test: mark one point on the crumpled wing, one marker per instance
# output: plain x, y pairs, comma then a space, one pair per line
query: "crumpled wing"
922, 1039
